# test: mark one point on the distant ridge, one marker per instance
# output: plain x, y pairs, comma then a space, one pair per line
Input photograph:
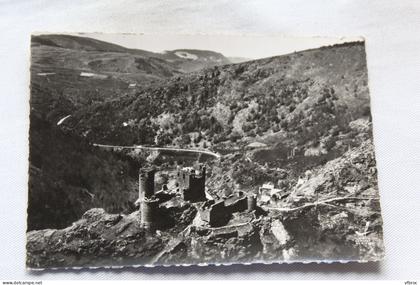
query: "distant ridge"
173, 59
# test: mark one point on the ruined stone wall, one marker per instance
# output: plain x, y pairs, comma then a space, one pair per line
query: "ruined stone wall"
219, 214
215, 214
239, 204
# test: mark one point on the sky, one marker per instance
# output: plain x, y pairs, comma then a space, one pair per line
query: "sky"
246, 46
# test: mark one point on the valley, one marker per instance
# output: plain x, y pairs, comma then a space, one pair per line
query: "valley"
295, 130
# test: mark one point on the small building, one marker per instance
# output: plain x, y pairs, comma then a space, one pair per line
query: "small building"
266, 189
267, 192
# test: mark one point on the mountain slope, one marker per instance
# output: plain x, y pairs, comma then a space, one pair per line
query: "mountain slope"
303, 108
301, 104
81, 71
190, 60
67, 177
182, 60
240, 101
77, 43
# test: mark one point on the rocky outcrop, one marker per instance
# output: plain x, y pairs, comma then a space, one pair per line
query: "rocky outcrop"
102, 239
335, 214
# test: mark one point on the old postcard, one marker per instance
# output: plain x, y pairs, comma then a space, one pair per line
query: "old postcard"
200, 149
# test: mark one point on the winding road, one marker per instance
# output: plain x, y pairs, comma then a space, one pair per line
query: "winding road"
214, 154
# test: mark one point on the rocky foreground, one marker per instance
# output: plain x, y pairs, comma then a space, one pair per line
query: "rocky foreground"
332, 214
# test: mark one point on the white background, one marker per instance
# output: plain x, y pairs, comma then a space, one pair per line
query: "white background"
392, 31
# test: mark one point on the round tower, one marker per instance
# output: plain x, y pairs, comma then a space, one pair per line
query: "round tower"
146, 183
148, 215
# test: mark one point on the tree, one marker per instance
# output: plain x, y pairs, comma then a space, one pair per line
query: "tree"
234, 136
185, 139
283, 124
198, 138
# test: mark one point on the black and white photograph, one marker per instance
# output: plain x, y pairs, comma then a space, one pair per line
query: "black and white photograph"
149, 150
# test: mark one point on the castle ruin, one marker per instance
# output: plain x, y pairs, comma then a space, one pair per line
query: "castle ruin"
218, 213
191, 188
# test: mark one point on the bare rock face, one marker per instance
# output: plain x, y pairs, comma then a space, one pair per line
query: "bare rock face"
97, 235
276, 241
101, 239
280, 232
229, 244
332, 215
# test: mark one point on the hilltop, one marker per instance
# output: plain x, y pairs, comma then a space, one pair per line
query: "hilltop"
89, 54
69, 72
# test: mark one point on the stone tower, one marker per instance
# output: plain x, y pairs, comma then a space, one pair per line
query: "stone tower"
149, 212
192, 183
149, 205
146, 183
